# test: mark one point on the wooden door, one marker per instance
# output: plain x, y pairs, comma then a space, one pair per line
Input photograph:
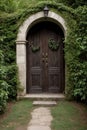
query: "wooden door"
45, 64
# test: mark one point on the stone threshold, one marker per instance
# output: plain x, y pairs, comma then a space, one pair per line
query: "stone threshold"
43, 97
44, 103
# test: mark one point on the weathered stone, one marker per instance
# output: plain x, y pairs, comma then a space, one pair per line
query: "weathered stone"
44, 103
39, 128
21, 39
44, 97
41, 119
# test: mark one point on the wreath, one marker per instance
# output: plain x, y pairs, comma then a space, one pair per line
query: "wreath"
35, 48
53, 45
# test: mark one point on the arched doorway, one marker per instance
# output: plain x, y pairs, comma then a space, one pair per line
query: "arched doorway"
45, 58
23, 38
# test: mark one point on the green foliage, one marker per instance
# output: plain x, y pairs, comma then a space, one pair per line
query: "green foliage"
53, 45
12, 80
3, 84
8, 85
1, 57
3, 99
35, 48
76, 57
7, 42
75, 3
3, 89
8, 5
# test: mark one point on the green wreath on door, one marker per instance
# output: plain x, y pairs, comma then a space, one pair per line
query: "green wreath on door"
53, 45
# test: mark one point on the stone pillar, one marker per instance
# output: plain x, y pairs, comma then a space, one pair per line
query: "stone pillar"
21, 62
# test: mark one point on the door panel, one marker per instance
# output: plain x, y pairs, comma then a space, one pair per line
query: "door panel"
35, 79
54, 80
45, 67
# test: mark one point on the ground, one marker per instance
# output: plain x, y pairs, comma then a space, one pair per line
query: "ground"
69, 116
66, 116
16, 116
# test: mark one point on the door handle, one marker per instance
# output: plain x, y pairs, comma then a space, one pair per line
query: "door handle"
46, 54
45, 58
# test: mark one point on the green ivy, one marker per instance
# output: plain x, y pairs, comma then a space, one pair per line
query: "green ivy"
3, 100
12, 80
76, 57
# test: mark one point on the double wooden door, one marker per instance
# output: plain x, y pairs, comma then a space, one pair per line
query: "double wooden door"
45, 60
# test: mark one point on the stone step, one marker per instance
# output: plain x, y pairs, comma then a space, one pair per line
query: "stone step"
44, 103
43, 97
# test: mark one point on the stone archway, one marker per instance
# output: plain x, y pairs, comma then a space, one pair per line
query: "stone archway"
21, 40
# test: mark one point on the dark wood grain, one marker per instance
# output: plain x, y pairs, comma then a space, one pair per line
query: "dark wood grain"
45, 68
